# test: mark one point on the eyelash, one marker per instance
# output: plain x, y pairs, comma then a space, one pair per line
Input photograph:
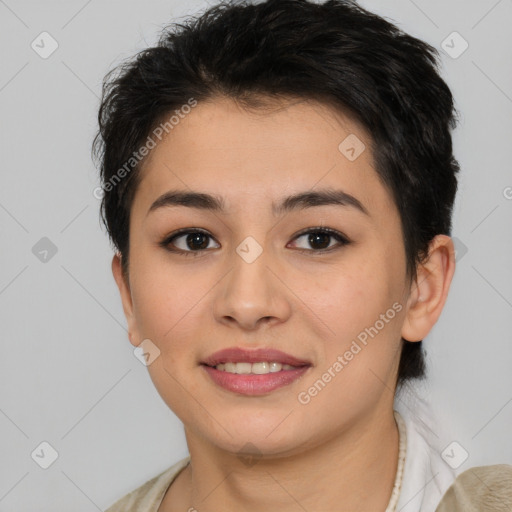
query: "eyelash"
343, 240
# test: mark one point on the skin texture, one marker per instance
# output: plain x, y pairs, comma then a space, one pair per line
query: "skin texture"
327, 454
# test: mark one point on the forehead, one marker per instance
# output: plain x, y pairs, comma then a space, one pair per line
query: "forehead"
255, 156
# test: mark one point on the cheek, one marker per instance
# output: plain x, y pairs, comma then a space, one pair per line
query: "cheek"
358, 365
363, 311
165, 298
352, 296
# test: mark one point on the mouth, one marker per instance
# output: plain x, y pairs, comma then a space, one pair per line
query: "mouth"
253, 372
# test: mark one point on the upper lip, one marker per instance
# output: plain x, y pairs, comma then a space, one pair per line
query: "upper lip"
242, 355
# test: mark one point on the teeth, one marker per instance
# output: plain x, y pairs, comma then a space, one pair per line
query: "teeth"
255, 368
260, 368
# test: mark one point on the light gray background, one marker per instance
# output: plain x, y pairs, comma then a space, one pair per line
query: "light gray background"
68, 374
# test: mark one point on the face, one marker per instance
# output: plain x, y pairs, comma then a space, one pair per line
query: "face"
255, 276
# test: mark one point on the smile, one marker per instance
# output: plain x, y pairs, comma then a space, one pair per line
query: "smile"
253, 372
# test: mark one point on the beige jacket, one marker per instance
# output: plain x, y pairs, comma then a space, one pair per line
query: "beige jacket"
480, 489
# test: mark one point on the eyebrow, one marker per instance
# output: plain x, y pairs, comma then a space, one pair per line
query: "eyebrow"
300, 201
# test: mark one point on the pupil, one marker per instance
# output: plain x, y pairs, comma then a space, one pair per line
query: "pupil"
325, 236
191, 239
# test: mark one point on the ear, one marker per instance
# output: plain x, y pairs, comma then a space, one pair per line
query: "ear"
430, 290
126, 297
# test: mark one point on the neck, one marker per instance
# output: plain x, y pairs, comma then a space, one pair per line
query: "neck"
353, 471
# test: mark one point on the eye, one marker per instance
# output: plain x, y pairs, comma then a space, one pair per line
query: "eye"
319, 237
190, 241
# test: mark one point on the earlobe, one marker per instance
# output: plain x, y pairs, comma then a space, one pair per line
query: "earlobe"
430, 290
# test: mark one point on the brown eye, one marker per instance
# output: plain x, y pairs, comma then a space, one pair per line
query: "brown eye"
188, 241
319, 239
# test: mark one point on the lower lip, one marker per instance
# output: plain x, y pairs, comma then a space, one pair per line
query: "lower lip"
251, 384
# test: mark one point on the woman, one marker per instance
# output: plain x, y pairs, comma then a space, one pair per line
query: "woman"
278, 183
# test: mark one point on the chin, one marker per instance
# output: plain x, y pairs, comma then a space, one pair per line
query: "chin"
265, 435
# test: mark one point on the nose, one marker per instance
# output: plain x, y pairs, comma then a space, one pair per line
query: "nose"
252, 294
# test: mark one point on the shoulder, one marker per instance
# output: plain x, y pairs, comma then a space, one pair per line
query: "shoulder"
480, 489
149, 495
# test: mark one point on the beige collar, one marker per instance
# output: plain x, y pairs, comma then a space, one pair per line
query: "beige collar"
402, 451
